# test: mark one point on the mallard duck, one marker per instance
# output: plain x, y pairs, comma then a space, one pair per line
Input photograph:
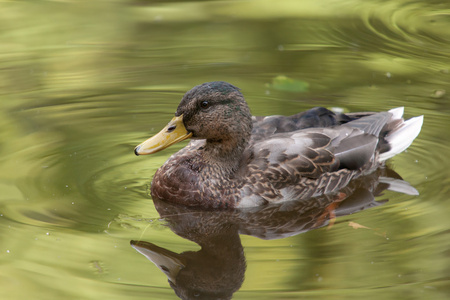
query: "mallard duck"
235, 160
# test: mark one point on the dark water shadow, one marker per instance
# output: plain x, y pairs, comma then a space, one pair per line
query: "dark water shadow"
217, 270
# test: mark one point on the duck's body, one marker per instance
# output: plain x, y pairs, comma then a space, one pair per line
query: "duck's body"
236, 160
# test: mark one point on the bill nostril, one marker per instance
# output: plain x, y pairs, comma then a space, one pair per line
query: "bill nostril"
171, 128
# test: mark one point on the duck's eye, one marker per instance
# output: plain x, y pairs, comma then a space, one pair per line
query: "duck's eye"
204, 104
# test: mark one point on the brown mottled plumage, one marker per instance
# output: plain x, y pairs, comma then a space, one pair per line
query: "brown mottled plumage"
236, 160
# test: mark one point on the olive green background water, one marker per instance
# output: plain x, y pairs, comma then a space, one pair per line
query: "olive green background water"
83, 82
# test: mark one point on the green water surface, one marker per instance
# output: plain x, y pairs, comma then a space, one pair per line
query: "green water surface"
83, 82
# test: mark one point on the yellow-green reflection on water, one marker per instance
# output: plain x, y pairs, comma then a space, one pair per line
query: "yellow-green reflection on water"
82, 83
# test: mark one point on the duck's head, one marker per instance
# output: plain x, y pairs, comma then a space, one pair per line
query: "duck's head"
215, 111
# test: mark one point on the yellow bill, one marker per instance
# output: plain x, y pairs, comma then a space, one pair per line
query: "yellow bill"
173, 133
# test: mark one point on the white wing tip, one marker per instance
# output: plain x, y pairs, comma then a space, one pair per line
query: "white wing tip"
401, 138
397, 113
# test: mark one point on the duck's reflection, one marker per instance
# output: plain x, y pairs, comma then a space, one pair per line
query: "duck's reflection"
217, 270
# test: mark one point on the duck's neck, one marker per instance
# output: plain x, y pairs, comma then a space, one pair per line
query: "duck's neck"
224, 156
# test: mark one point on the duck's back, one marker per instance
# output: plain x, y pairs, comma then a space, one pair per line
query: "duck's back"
322, 159
318, 117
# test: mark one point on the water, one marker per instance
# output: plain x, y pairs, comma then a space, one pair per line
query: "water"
82, 83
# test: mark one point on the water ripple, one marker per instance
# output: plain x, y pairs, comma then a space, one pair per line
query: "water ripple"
404, 29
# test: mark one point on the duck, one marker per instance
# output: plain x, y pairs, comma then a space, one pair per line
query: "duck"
235, 160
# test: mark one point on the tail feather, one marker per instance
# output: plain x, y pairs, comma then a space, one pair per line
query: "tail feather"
397, 113
402, 136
